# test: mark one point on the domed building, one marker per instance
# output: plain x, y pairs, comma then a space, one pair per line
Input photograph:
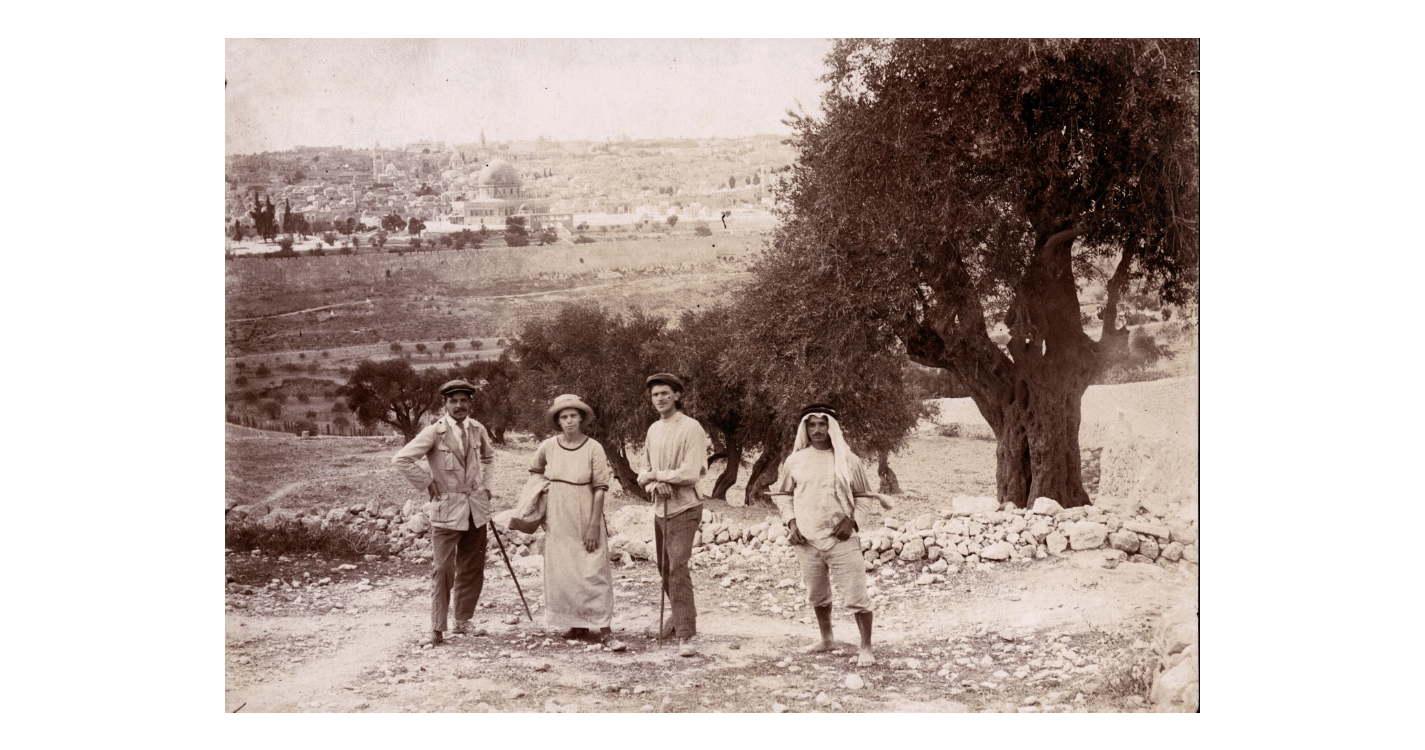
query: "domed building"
499, 192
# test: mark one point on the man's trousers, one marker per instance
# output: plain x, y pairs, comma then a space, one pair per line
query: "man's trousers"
674, 539
459, 565
842, 564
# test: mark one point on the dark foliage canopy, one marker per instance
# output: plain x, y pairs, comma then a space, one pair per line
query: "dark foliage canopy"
944, 191
392, 392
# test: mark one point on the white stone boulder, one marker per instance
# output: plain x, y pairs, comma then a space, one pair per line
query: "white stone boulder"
967, 505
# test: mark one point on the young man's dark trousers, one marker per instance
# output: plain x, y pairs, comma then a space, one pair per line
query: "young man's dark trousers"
674, 539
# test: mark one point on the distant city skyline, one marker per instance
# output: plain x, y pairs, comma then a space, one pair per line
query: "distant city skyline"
352, 93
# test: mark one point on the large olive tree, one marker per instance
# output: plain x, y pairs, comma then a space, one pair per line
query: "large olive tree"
954, 184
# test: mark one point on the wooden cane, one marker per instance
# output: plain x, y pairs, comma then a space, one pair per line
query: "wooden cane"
662, 568
511, 568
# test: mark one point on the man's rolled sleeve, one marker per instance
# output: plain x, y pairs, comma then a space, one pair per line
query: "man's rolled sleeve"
861, 490
694, 466
405, 459
782, 494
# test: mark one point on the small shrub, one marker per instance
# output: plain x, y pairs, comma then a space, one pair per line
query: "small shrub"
291, 367
475, 344
948, 430
289, 537
338, 406
312, 368
303, 398
701, 229
262, 371
241, 366
241, 381
1124, 677
583, 239
301, 355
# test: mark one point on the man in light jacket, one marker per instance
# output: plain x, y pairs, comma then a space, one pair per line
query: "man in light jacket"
460, 458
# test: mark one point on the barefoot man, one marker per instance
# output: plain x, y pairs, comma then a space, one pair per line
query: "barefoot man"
824, 498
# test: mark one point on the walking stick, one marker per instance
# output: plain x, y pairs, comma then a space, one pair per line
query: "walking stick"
511, 568
663, 561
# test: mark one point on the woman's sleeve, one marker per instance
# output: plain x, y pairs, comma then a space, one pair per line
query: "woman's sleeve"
599, 472
536, 465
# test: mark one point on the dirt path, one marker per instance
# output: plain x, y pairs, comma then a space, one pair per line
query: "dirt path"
299, 312
285, 491
1061, 635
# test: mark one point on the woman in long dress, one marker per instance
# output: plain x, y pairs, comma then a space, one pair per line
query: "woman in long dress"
578, 585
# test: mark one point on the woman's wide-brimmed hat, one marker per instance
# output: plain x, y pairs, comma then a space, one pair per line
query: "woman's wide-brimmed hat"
569, 401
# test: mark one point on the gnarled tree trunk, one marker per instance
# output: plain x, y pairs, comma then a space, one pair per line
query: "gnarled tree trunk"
1031, 398
765, 468
1054, 362
624, 473
890, 485
732, 455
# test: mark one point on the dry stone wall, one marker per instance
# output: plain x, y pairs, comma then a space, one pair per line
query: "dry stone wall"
972, 531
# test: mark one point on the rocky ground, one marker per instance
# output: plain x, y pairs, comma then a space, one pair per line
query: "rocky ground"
1061, 635
977, 609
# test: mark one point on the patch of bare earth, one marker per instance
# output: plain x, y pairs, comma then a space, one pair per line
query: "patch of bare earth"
1060, 634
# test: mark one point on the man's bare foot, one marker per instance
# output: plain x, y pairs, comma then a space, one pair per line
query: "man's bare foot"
821, 647
865, 658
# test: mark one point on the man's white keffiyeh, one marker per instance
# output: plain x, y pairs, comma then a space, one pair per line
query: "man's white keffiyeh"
840, 450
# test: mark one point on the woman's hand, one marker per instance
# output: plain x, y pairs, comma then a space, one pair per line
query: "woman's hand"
591, 537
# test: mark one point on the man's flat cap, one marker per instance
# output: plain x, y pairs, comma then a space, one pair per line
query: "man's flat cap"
457, 386
819, 409
666, 378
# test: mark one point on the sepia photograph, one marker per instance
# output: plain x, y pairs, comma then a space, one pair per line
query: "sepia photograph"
735, 375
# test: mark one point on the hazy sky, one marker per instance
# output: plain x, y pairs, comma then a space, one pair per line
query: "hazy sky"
322, 92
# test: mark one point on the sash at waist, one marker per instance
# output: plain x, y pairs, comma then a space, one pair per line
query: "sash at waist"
561, 481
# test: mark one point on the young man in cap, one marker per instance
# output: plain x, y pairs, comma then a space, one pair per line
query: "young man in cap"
677, 450
457, 449
824, 498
